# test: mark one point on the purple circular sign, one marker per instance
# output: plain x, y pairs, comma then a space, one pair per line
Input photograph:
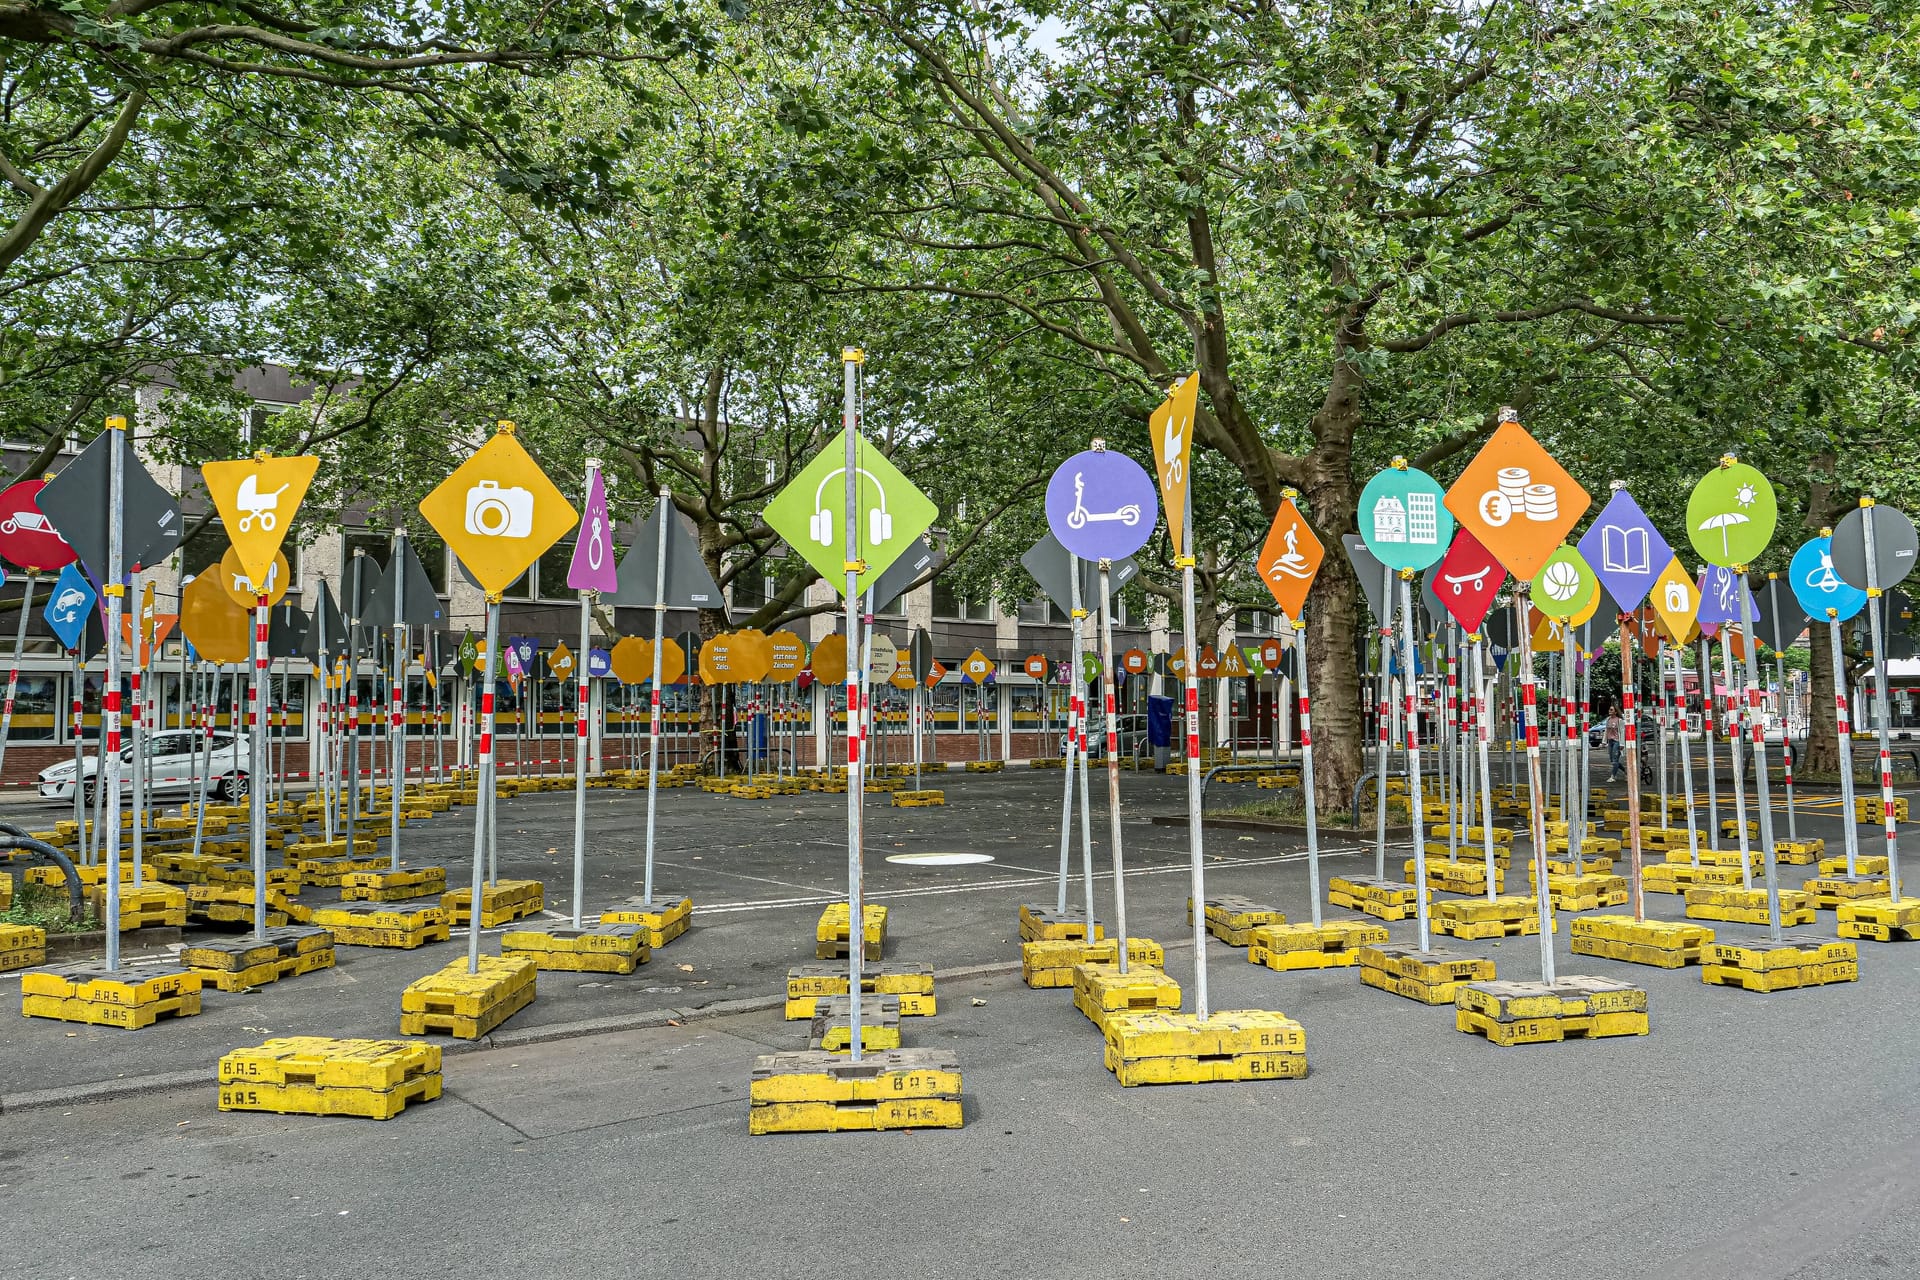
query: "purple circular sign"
1101, 505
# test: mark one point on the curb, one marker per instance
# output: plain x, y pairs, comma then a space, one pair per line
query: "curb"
131, 1086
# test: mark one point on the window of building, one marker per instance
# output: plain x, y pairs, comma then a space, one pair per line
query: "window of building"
551, 570
949, 603
751, 589
205, 549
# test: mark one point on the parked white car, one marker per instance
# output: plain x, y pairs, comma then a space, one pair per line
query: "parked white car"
174, 767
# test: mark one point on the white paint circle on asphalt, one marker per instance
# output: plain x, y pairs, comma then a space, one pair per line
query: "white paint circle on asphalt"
940, 859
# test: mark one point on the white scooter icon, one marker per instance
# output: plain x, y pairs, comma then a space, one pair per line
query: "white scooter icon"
1079, 517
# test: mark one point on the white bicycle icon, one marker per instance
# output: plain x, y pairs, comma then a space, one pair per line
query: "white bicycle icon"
1080, 517
31, 521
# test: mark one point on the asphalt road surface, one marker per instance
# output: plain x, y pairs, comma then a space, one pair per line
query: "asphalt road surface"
1751, 1137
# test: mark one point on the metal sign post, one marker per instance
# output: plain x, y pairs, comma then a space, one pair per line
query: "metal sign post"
1070, 762
1385, 727
1483, 727
1703, 664
653, 717
1536, 813
483, 811
1759, 733
257, 764
1881, 714
397, 702
1415, 799
13, 672
852, 362
1190, 677
113, 589
1306, 768
1107, 678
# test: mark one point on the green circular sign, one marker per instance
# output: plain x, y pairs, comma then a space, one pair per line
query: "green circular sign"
1404, 519
1565, 585
1731, 515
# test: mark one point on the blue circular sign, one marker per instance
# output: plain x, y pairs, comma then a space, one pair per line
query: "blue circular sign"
1101, 505
1818, 588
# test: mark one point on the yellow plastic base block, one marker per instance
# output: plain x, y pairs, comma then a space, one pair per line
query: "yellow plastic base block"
466, 1005
1864, 864
1568, 997
831, 1029
235, 954
1050, 962
1468, 875
1716, 858
151, 905
986, 766
1880, 919
1038, 924
327, 1063
1474, 839
311, 1100
665, 918
809, 986
1811, 975
1583, 892
1829, 892
1430, 977
1549, 1030
1797, 960
95, 982
269, 971
376, 924
1384, 899
1100, 990
607, 948
1665, 944
1801, 852
129, 1017
1232, 918
831, 936
1748, 906
1868, 809
1479, 918
918, 799
393, 886
1331, 944
22, 946
855, 1117
501, 902
1177, 1048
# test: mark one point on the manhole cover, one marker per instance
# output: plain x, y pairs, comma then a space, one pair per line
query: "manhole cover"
940, 859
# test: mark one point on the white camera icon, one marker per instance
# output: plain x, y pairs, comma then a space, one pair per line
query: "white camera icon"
493, 512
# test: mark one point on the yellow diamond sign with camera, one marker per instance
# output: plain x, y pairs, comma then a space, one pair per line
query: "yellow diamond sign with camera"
499, 512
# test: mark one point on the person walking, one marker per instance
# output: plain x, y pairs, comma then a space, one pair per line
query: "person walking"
1616, 742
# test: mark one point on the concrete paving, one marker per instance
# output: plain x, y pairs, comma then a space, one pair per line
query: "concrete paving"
1749, 1136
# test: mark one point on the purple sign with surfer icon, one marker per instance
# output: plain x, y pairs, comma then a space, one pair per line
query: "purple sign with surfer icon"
1101, 505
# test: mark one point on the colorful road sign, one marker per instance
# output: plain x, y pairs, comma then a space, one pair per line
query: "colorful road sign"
1817, 585
788, 657
560, 660
1731, 514
811, 513
829, 661
76, 502
1468, 581
1676, 601
632, 660
1404, 519
1101, 505
673, 662
593, 567
1171, 431
499, 512
1232, 664
1895, 545
935, 674
257, 499
1565, 584
27, 537
599, 663
69, 604
1290, 558
689, 585
1720, 589
1517, 500
1369, 571
1090, 668
1135, 662
1036, 666
977, 667
1625, 550
245, 589
213, 621
883, 658
1272, 653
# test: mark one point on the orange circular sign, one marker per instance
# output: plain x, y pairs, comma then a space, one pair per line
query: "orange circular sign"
788, 656
752, 654
1134, 662
1270, 654
830, 659
1037, 666
632, 660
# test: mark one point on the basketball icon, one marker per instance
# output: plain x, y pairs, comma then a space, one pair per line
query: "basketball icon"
1561, 580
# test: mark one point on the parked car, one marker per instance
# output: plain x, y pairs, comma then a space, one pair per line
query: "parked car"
1132, 734
174, 767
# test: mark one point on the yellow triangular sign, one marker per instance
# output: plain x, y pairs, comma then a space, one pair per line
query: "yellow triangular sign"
257, 499
1171, 431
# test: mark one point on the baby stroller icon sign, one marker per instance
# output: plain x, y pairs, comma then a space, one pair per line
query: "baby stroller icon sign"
258, 506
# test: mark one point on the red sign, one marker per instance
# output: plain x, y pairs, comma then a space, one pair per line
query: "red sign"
27, 537
1469, 578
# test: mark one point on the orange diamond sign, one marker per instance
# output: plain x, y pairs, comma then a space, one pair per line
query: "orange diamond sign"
977, 667
1290, 558
499, 512
1517, 501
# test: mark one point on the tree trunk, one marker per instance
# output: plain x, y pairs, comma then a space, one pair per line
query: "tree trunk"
1332, 610
1823, 741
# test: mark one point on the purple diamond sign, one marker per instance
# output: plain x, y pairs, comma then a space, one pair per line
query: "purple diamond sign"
1102, 505
1627, 553
592, 568
1720, 598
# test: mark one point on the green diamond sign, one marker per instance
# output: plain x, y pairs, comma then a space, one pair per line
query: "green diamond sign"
811, 513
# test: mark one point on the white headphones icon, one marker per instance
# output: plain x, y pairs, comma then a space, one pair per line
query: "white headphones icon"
820, 524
